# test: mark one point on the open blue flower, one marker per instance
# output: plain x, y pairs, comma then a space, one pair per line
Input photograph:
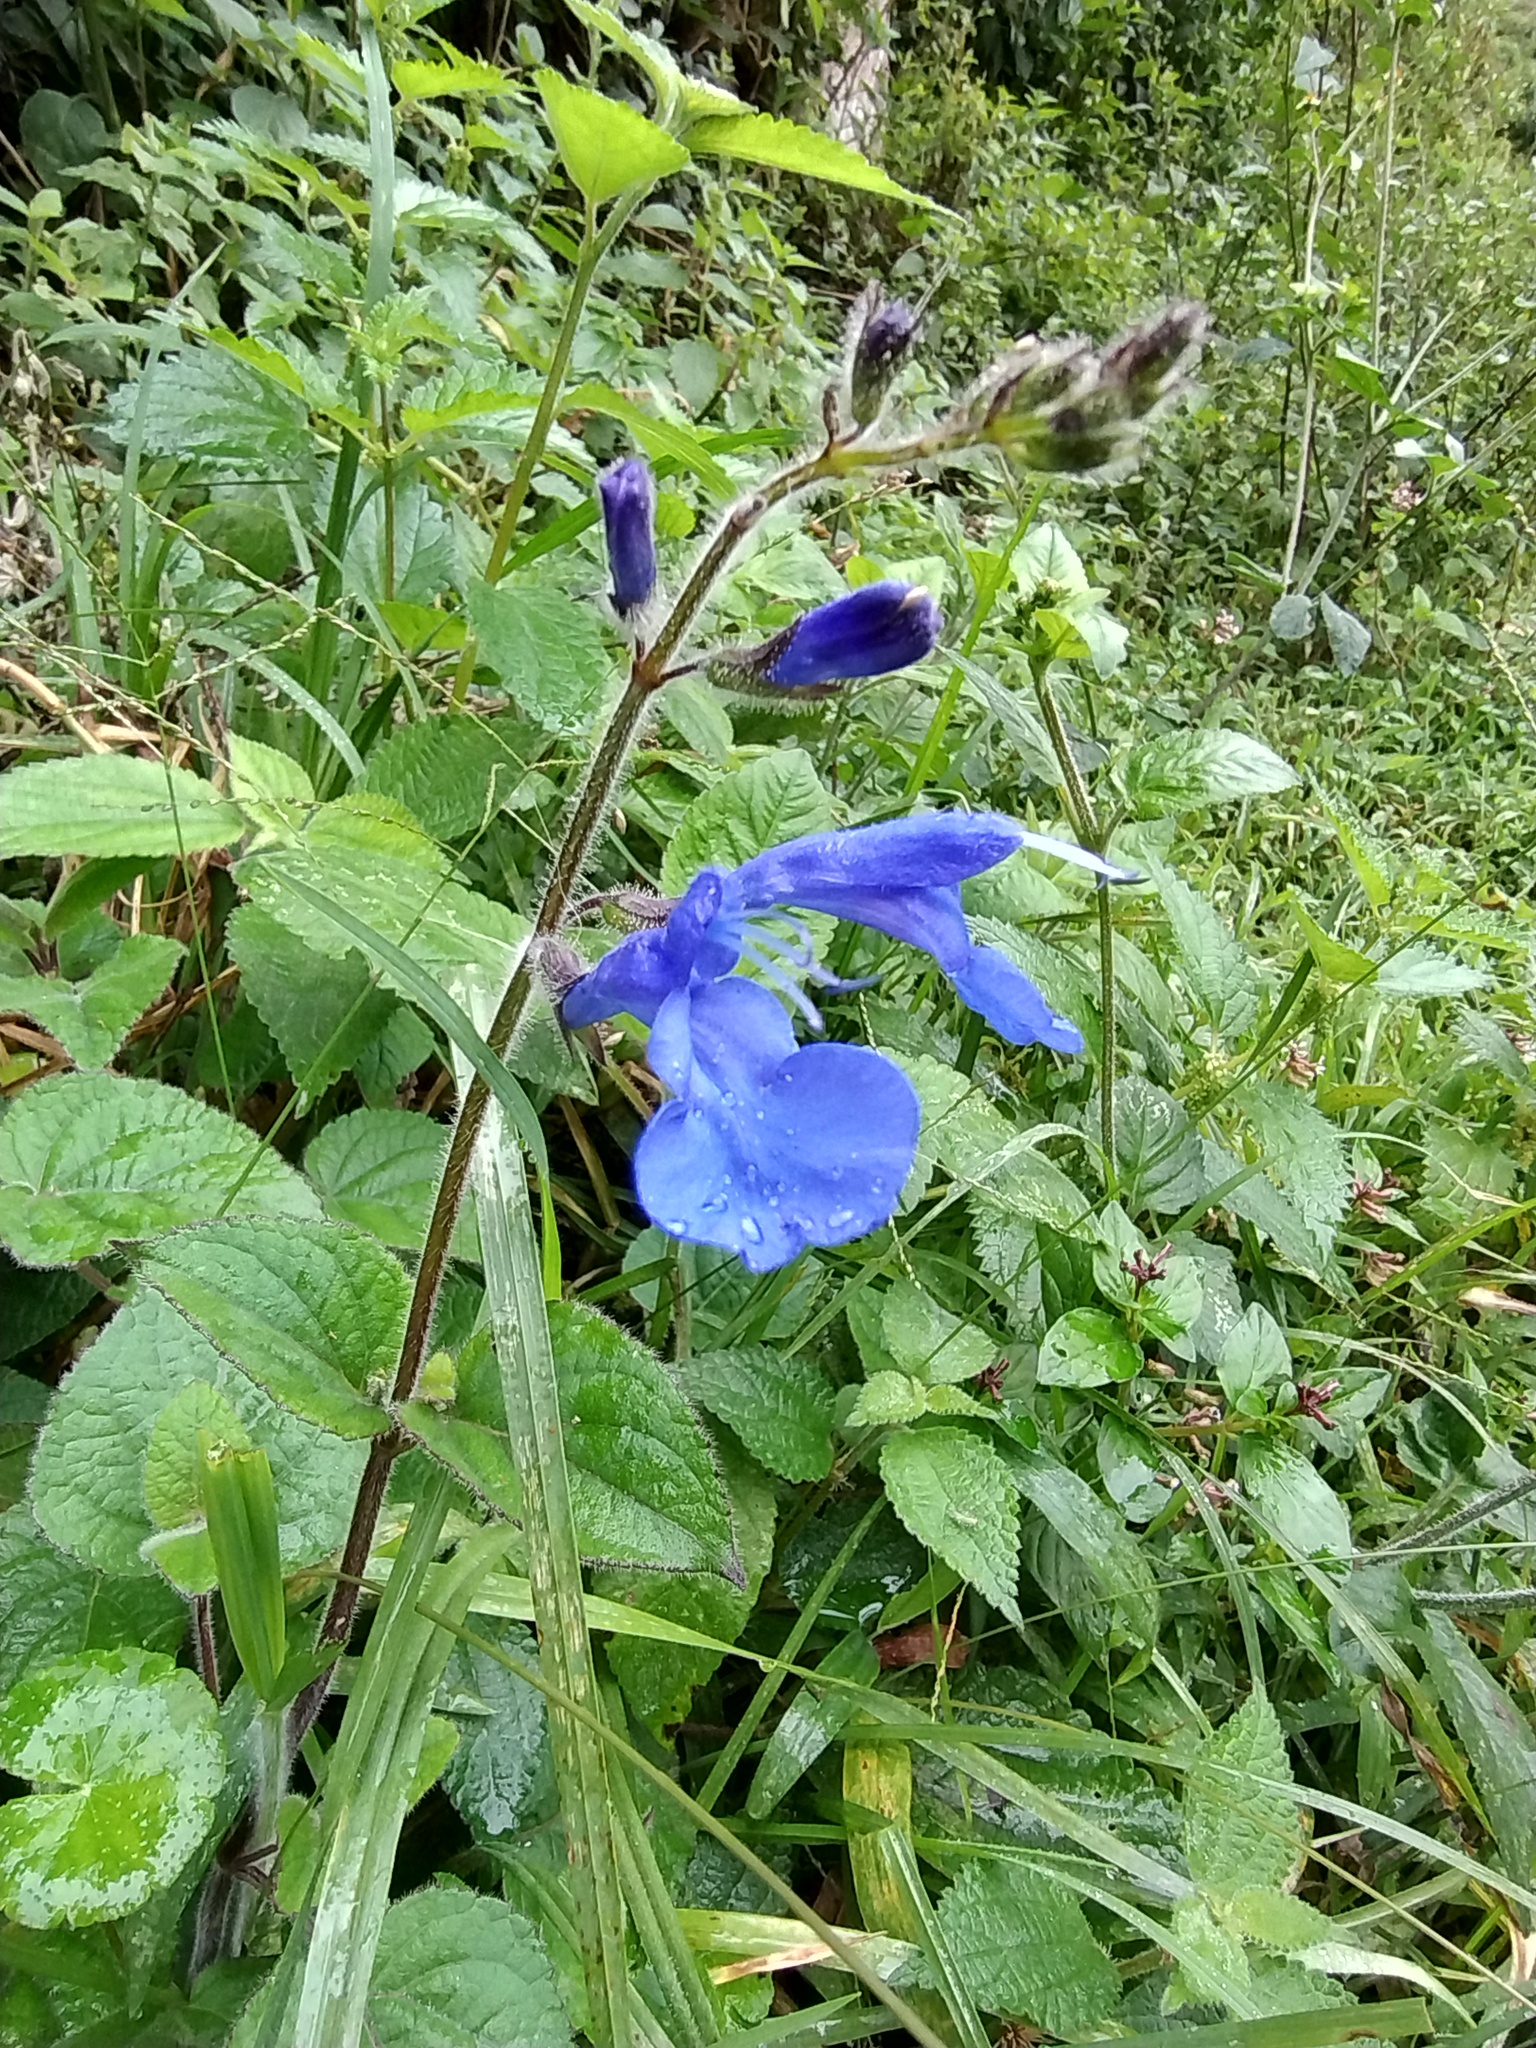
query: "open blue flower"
767, 1148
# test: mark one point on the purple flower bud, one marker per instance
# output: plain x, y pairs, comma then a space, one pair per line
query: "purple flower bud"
628, 493
869, 632
883, 333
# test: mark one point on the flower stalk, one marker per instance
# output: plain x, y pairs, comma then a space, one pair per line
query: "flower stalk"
1085, 823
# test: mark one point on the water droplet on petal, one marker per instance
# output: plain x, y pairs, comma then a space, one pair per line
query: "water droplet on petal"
715, 1206
751, 1230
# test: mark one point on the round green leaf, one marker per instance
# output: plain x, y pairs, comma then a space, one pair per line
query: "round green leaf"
125, 1751
1087, 1347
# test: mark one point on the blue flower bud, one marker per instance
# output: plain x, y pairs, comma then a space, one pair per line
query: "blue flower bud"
882, 336
628, 493
870, 632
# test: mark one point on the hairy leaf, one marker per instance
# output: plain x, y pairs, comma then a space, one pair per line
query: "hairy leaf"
112, 804
778, 1403
1024, 1948
952, 1491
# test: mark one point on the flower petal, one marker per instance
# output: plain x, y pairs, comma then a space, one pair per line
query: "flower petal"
627, 491
644, 969
818, 1155
1011, 1004
870, 632
933, 850
728, 1037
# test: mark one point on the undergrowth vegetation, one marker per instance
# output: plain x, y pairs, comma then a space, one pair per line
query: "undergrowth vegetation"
766, 1099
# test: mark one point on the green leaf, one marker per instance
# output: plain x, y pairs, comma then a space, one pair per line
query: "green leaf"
546, 647
218, 414
674, 87
1087, 1347
1115, 1561
324, 1012
1214, 967
978, 1145
500, 1776
779, 1403
112, 804
1237, 1837
456, 1969
660, 1678
1254, 1356
88, 1474
89, 1018
605, 145
786, 146
87, 1159
1349, 637
51, 1605
429, 79
1185, 771
313, 1312
927, 1341
886, 1398
1495, 1735
1024, 1948
644, 1483
774, 798
1303, 1153
1158, 1151
1046, 563
379, 1169
812, 1720
661, 439
1292, 1498
129, 1749
952, 1492
450, 772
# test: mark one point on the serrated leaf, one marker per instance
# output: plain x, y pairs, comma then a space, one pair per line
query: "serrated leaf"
787, 146
1185, 771
129, 1750
976, 1143
604, 144
89, 1018
1276, 1919
433, 79
1158, 1150
173, 1463
1237, 1836
1303, 1153
814, 1718
88, 1159
324, 1012
313, 1312
547, 649
455, 1969
500, 1776
51, 1605
218, 414
886, 1398
1215, 969
112, 805
379, 1169
645, 1486
1024, 1948
450, 772
952, 1492
775, 798
1114, 1560
1349, 637
88, 1473
1087, 1347
1493, 1732
1293, 1498
778, 1403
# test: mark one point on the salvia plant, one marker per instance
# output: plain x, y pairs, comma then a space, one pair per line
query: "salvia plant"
717, 1324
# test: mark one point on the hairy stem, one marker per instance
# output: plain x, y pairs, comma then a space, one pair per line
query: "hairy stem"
1085, 823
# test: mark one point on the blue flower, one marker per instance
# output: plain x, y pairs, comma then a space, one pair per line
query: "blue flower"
766, 1147
884, 334
628, 493
870, 632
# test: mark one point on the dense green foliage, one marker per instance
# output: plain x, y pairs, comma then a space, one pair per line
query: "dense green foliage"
1095, 1602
